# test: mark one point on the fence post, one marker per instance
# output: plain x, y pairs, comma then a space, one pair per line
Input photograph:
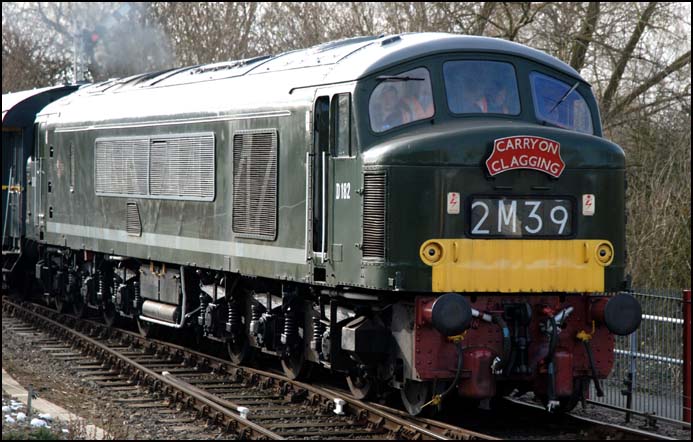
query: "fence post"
29, 397
687, 356
632, 371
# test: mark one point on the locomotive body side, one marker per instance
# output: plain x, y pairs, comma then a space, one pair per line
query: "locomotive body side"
179, 226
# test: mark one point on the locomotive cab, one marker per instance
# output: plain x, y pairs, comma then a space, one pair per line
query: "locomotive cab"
485, 177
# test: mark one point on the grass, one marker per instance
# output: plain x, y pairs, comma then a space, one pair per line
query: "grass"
28, 433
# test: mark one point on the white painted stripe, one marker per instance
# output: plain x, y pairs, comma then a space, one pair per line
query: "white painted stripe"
225, 248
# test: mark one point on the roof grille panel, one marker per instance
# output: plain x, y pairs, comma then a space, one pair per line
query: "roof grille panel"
374, 215
255, 183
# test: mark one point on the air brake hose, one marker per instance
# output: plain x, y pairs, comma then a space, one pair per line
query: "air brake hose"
458, 372
507, 343
551, 388
553, 340
586, 337
597, 384
438, 398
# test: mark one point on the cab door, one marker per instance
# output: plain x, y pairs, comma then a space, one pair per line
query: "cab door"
320, 161
334, 180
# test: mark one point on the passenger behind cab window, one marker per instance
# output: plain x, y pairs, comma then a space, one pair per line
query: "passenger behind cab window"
418, 96
396, 102
498, 99
394, 108
481, 87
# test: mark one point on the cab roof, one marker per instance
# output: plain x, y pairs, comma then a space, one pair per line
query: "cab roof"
343, 60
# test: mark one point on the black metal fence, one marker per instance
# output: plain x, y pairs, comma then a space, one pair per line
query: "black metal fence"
651, 359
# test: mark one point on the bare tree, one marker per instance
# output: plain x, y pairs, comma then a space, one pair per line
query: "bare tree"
625, 57
108, 39
208, 32
483, 17
584, 38
25, 64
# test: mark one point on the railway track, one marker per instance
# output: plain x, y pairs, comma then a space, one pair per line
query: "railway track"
580, 426
249, 403
258, 404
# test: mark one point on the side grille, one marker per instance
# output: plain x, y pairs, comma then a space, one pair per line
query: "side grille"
183, 167
255, 184
171, 167
121, 166
374, 215
133, 225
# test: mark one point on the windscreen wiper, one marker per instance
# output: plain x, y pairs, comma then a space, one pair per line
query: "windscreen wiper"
549, 123
396, 78
570, 91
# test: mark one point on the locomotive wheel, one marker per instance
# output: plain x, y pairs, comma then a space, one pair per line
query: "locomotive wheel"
79, 308
361, 387
566, 404
239, 351
415, 395
295, 365
109, 314
60, 304
146, 328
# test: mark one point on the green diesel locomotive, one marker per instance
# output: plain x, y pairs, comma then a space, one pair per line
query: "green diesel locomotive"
423, 212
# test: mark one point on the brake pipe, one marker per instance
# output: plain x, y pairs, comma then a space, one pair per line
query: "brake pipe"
498, 366
438, 398
586, 337
563, 315
483, 316
550, 367
504, 363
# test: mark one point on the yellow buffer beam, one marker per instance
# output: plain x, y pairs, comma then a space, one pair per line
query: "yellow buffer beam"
511, 266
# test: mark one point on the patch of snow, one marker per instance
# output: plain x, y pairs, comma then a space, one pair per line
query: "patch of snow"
21, 417
45, 417
9, 419
36, 422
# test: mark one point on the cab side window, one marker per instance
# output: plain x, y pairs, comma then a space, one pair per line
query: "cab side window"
341, 111
401, 99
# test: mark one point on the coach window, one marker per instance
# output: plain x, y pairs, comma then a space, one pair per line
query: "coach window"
560, 103
401, 99
341, 119
481, 87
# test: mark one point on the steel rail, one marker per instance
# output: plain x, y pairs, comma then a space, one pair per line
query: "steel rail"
398, 424
641, 434
640, 413
439, 426
144, 373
